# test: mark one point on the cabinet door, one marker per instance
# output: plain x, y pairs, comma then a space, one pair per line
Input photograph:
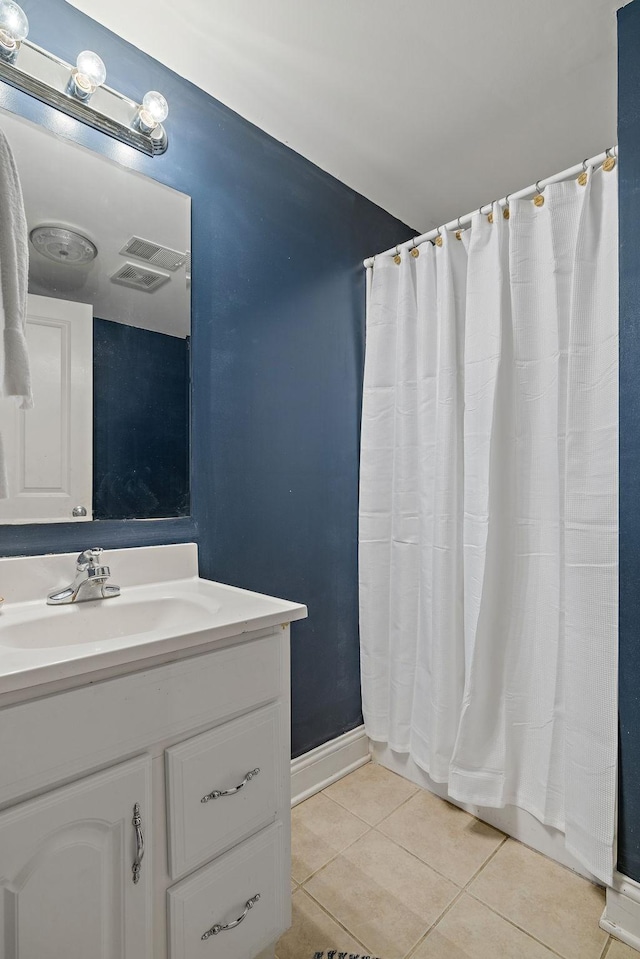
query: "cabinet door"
66, 877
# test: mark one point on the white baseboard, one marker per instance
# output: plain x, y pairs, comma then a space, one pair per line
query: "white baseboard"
511, 820
327, 763
621, 916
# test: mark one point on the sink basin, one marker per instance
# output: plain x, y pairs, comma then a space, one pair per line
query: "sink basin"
102, 621
164, 607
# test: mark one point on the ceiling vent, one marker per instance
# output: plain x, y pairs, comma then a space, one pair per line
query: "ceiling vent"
161, 256
139, 278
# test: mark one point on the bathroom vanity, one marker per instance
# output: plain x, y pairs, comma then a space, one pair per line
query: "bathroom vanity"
145, 764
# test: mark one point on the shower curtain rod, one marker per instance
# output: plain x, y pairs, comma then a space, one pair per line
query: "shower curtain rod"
461, 221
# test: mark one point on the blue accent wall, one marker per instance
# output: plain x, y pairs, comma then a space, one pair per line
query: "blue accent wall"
140, 423
277, 341
629, 186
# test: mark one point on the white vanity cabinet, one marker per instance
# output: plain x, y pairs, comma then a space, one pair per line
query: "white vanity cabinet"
199, 748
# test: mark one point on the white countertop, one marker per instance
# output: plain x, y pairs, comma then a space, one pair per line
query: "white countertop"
164, 607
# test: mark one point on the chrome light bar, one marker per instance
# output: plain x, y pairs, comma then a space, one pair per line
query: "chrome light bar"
59, 84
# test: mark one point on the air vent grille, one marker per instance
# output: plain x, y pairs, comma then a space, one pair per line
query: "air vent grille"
139, 278
161, 256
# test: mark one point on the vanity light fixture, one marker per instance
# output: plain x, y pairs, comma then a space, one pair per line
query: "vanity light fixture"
14, 28
79, 91
89, 74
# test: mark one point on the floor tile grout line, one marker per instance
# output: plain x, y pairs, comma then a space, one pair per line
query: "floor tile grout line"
418, 859
512, 922
461, 889
399, 845
489, 859
414, 947
302, 882
456, 899
424, 789
335, 919
409, 852
417, 789
350, 811
336, 803
442, 875
323, 792
463, 892
465, 888
404, 802
433, 925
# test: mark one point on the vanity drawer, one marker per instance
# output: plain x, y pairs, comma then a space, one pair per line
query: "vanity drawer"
219, 894
43, 742
241, 760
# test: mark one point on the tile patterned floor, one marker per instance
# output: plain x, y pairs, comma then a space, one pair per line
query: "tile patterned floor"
384, 868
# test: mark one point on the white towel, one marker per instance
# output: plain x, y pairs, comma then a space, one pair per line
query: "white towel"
14, 275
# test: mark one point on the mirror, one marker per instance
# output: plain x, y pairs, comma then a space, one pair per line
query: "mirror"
108, 333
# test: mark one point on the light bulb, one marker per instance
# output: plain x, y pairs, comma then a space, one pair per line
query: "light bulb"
155, 105
150, 114
13, 20
91, 67
89, 74
14, 28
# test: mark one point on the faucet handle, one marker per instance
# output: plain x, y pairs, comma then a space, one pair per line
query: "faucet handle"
90, 558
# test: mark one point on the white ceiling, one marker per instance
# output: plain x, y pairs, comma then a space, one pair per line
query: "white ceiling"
67, 185
427, 107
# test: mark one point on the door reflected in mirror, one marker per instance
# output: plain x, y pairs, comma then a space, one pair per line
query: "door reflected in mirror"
108, 331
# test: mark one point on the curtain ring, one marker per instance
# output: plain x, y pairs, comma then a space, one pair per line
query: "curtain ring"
490, 214
459, 230
414, 251
610, 160
584, 176
397, 258
506, 213
538, 198
438, 240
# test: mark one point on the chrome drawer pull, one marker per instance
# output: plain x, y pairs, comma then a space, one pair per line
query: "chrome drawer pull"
250, 903
217, 793
137, 862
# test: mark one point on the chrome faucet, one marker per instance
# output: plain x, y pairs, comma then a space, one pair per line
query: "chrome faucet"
90, 581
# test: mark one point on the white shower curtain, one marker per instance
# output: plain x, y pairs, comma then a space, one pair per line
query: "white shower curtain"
488, 511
